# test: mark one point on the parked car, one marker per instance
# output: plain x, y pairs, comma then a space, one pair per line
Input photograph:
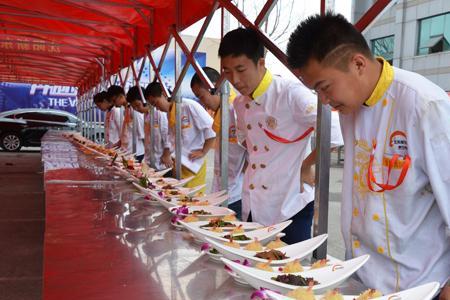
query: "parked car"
25, 127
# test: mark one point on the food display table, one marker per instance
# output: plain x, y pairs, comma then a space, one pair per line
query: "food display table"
103, 242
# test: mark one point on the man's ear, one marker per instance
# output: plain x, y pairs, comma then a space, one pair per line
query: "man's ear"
359, 63
262, 62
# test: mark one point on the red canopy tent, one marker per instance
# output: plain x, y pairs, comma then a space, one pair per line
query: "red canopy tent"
62, 41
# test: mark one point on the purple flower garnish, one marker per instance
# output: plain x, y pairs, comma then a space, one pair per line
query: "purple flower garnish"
205, 246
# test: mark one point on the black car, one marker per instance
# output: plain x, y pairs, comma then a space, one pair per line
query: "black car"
25, 127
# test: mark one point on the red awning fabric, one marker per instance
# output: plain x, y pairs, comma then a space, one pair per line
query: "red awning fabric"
61, 41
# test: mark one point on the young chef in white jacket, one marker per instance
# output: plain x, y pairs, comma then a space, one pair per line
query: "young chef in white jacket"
197, 136
112, 123
275, 119
236, 152
116, 95
157, 145
396, 128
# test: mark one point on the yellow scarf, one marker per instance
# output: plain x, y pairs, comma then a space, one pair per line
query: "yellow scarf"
384, 82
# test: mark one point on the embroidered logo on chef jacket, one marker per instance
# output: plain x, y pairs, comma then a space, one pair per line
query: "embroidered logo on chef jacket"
398, 142
232, 134
271, 122
185, 122
398, 145
156, 123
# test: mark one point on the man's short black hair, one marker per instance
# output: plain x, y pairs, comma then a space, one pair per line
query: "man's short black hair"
319, 36
153, 89
242, 41
133, 94
114, 91
100, 97
212, 74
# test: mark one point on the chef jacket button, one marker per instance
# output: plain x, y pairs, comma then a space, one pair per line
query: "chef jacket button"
253, 166
375, 217
247, 106
249, 127
266, 148
255, 148
356, 244
251, 186
264, 187
380, 250
262, 166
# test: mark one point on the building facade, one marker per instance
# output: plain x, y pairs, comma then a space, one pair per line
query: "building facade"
413, 35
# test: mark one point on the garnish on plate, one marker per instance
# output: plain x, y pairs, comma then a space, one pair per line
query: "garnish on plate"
271, 255
241, 237
295, 280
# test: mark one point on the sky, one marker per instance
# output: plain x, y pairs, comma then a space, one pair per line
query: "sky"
292, 13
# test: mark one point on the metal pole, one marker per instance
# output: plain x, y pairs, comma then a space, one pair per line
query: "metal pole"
224, 136
178, 100
322, 148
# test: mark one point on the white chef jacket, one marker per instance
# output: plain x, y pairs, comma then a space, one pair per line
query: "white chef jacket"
160, 139
236, 157
196, 126
405, 230
271, 188
126, 137
112, 126
140, 133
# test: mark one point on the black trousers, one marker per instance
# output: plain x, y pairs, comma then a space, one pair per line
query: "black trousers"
300, 228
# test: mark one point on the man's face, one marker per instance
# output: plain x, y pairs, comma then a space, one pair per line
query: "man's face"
341, 89
205, 97
138, 106
103, 106
243, 73
119, 100
156, 102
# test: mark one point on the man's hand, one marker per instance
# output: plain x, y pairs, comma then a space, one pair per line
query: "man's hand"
166, 159
445, 292
308, 176
196, 154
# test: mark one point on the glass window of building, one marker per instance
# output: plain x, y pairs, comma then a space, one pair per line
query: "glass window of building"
384, 47
434, 34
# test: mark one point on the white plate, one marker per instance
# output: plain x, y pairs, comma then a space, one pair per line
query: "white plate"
212, 195
245, 225
328, 277
172, 181
295, 251
263, 235
214, 257
421, 292
216, 211
211, 201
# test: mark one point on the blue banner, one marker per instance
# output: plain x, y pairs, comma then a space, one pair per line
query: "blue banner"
22, 95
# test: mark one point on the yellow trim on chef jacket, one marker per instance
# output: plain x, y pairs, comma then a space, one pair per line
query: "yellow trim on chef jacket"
172, 115
218, 116
385, 80
199, 179
263, 85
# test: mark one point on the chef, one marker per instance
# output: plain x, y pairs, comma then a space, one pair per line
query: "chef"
158, 145
116, 94
275, 119
197, 136
396, 184
112, 123
236, 152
